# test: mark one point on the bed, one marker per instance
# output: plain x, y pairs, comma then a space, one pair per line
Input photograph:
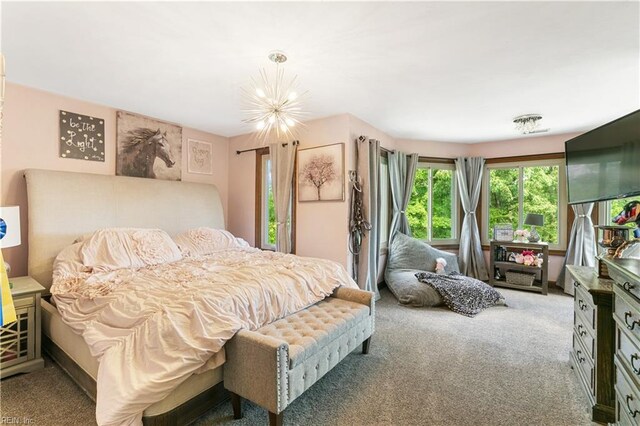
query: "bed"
64, 205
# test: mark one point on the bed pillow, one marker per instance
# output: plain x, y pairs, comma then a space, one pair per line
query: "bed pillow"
122, 248
204, 241
69, 262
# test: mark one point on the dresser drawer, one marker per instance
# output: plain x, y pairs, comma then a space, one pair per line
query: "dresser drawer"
622, 416
628, 404
583, 303
624, 283
582, 331
626, 313
628, 355
584, 363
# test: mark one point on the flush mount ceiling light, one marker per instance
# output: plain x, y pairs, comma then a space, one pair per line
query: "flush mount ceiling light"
528, 124
272, 105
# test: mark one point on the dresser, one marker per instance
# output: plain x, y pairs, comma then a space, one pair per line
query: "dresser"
626, 314
593, 340
20, 340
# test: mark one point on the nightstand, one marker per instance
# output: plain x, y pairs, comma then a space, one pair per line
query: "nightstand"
20, 340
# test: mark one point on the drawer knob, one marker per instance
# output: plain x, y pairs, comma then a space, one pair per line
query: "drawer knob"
635, 357
581, 332
628, 286
626, 321
581, 359
632, 413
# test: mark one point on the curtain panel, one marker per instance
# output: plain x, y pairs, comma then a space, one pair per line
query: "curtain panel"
282, 162
582, 244
402, 173
469, 176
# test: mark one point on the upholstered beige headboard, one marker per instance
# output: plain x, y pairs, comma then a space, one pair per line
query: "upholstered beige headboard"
65, 205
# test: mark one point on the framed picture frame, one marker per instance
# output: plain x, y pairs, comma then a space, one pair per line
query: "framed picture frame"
147, 147
199, 157
503, 232
321, 173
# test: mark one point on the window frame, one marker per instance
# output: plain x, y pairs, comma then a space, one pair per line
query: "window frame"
520, 163
261, 213
384, 237
456, 219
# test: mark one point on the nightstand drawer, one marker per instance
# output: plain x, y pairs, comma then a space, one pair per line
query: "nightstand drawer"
22, 301
15, 340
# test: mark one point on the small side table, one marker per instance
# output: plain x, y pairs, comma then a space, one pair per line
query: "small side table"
20, 340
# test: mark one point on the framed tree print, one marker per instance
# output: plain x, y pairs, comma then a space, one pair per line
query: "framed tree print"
321, 173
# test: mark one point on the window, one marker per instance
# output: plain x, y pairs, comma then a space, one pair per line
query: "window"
511, 190
266, 226
610, 209
385, 202
433, 208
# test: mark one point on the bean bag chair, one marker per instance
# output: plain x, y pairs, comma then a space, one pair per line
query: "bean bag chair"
408, 256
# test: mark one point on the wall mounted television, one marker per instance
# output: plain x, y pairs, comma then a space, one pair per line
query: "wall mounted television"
604, 164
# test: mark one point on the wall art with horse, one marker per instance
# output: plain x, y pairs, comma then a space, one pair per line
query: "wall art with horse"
148, 148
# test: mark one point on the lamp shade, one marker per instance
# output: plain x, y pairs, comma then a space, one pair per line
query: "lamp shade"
534, 219
9, 226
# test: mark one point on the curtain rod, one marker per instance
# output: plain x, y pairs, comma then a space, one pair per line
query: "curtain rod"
383, 149
255, 149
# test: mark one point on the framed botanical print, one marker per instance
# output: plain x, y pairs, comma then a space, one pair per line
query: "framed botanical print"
321, 173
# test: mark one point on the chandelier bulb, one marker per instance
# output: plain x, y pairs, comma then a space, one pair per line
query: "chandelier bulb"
292, 96
272, 119
290, 122
260, 93
260, 125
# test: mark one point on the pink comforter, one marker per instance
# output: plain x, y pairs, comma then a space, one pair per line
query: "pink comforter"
151, 328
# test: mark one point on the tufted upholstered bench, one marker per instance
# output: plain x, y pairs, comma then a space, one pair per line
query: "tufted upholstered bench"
275, 364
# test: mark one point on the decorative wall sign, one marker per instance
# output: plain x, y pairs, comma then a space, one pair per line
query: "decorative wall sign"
81, 136
200, 157
321, 173
503, 232
148, 148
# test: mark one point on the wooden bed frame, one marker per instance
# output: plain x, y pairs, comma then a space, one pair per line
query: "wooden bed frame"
65, 205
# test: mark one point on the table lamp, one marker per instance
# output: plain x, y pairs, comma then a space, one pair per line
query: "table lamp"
9, 228
534, 220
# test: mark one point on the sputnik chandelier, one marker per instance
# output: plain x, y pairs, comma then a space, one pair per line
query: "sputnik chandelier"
273, 107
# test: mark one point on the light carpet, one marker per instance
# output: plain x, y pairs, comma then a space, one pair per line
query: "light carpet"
509, 365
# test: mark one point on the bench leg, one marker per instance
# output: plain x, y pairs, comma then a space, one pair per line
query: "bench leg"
236, 403
276, 419
365, 346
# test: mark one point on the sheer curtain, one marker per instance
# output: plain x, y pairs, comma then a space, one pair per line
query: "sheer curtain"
582, 244
282, 161
469, 177
402, 173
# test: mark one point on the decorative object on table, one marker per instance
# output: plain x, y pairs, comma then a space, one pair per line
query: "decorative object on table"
440, 265
512, 257
199, 157
521, 235
520, 278
503, 232
321, 173
148, 148
534, 220
273, 105
81, 136
610, 237
630, 214
497, 274
10, 235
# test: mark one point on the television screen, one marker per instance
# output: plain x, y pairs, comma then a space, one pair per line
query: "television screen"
604, 163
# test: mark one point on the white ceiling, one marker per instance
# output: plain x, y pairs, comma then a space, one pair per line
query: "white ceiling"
436, 71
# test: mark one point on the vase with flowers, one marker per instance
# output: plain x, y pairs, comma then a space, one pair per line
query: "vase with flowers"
521, 235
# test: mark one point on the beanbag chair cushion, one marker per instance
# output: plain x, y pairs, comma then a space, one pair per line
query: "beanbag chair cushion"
408, 256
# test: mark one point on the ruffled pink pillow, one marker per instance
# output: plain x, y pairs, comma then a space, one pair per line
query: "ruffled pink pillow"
120, 248
205, 241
